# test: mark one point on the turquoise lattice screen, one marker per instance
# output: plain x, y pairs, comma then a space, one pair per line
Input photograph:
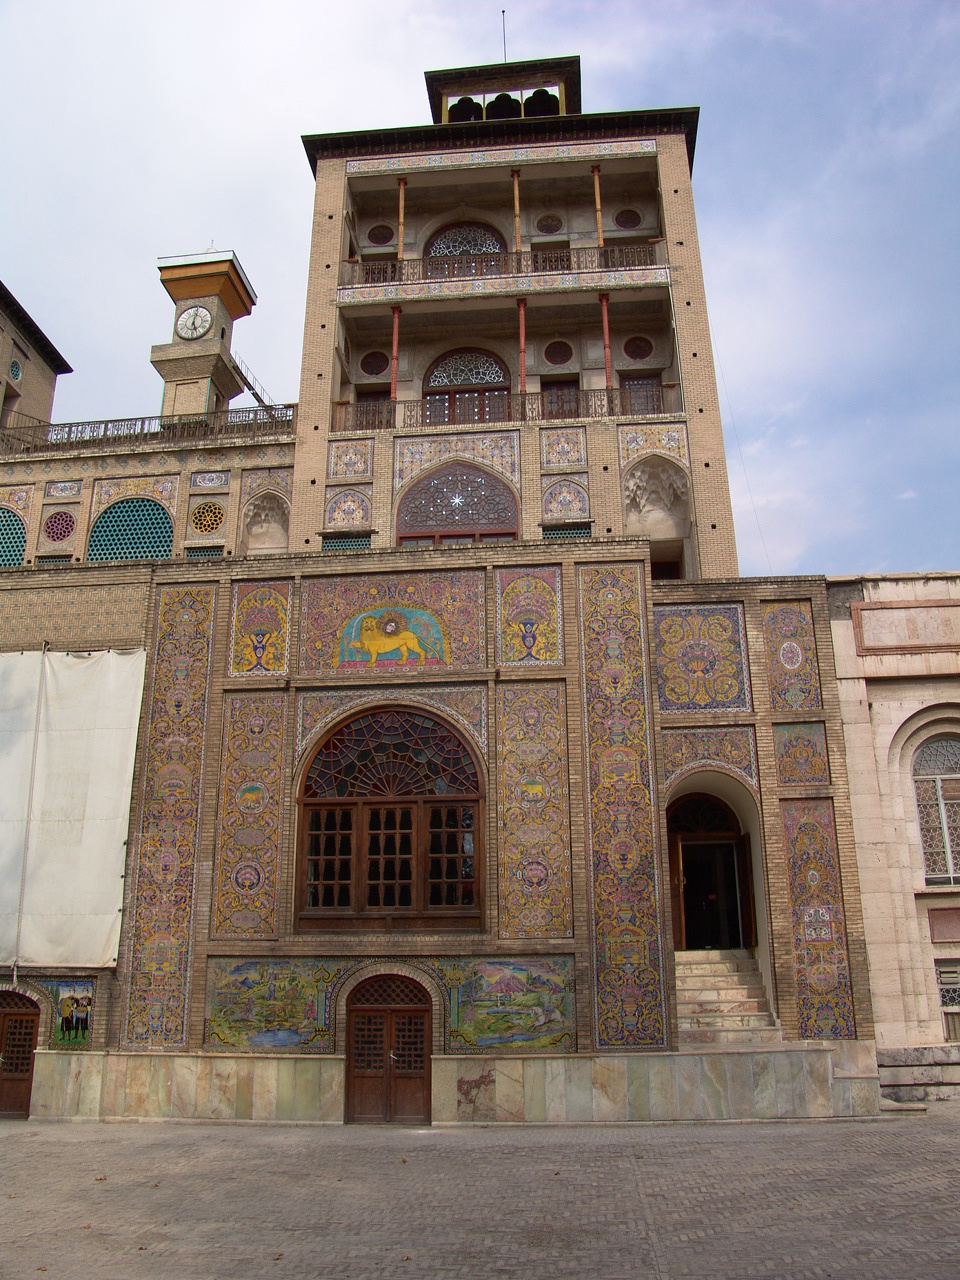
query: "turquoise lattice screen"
13, 539
133, 529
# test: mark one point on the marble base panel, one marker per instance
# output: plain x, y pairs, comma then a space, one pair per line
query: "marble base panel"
783, 1082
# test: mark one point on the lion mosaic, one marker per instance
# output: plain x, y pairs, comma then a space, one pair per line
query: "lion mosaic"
378, 640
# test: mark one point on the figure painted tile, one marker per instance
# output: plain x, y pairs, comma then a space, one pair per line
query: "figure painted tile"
260, 639
520, 1004
72, 1000
264, 1005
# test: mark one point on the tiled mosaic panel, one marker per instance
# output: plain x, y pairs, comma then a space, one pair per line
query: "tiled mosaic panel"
499, 450
791, 656
260, 634
700, 652
524, 1004
162, 489
395, 623
249, 817
824, 994
279, 479
631, 1009
72, 1000
465, 705
563, 447
350, 458
461, 159
637, 441
529, 620
61, 489
19, 497
733, 748
210, 480
566, 500
801, 754
565, 282
348, 508
533, 802
166, 863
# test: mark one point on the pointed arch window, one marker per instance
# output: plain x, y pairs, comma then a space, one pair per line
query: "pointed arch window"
457, 505
466, 386
936, 781
391, 827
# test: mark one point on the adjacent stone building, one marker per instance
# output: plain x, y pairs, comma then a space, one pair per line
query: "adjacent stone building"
470, 783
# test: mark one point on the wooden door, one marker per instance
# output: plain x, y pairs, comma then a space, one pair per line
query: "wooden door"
19, 1022
388, 1052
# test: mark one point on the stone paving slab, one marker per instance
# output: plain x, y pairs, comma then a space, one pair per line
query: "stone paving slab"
193, 1201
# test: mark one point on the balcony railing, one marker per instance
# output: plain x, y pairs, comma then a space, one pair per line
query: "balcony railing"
528, 262
473, 409
21, 435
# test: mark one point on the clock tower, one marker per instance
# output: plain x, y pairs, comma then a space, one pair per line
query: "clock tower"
210, 291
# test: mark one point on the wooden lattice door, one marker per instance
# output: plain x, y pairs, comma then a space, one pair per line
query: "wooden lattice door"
19, 1021
388, 1052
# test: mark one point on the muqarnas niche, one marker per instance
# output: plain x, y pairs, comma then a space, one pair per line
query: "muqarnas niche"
657, 501
265, 527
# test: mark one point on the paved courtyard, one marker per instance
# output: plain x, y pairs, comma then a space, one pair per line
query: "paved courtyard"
169, 1201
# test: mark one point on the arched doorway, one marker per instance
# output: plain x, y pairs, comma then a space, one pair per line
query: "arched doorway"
19, 1022
710, 876
388, 1052
465, 387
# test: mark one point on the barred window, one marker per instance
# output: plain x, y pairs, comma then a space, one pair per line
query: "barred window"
466, 387
13, 539
936, 781
132, 529
391, 827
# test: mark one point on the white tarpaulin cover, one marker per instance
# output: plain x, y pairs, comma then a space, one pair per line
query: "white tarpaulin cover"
72, 768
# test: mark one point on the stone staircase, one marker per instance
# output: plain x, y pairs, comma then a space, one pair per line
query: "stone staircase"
721, 1000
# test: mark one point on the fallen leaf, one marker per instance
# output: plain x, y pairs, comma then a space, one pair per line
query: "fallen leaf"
403, 1159
12, 1195
41, 1268
277, 1257
405, 1258
101, 1177
87, 1227
140, 1248
156, 1184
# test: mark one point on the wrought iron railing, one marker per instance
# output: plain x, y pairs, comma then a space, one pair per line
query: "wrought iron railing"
470, 266
650, 400
22, 435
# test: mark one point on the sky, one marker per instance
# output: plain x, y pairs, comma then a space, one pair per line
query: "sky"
826, 179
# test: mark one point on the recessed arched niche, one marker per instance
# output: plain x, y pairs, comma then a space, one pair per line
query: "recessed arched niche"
656, 496
266, 526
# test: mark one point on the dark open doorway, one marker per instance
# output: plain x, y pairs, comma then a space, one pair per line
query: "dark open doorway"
710, 876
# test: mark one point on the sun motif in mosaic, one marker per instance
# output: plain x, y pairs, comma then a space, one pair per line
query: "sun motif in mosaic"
63, 488
166, 863
699, 652
499, 450
73, 1006
348, 508
461, 159
280, 479
824, 993
635, 442
801, 753
465, 705
631, 1010
162, 489
529, 626
277, 1005
349, 458
397, 623
250, 817
733, 749
566, 500
791, 656
563, 447
533, 806
260, 637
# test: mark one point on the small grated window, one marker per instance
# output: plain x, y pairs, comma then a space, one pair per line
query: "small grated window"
204, 553
347, 544
132, 529
13, 539
567, 533
46, 562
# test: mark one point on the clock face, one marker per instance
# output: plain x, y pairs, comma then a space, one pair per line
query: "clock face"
194, 322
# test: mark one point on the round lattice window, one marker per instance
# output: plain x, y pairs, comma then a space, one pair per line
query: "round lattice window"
558, 352
380, 234
16, 370
549, 224
638, 348
628, 219
207, 517
59, 526
374, 362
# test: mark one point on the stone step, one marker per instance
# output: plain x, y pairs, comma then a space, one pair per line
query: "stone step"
730, 955
720, 966
699, 1036
710, 982
688, 1008
728, 1020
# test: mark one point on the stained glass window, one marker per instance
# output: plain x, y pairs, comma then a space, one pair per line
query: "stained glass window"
464, 238
458, 500
391, 821
936, 781
465, 387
